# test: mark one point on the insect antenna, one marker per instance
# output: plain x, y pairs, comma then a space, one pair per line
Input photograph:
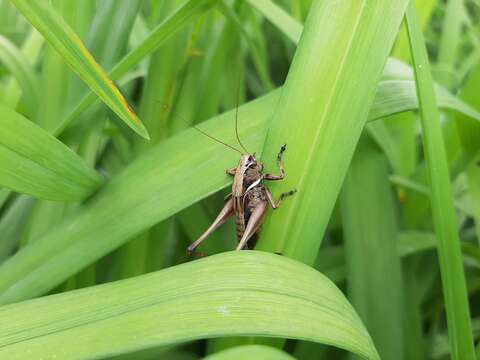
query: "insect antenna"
236, 119
203, 132
215, 139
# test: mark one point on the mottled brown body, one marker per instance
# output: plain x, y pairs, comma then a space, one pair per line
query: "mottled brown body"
249, 200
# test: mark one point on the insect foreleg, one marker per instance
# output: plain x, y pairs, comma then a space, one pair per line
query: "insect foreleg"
280, 166
222, 217
276, 205
253, 223
232, 171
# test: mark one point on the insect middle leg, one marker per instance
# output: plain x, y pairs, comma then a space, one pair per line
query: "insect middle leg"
280, 166
276, 205
222, 217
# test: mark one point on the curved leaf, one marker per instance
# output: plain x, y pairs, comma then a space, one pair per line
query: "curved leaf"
413, 242
394, 96
251, 352
234, 293
59, 34
34, 162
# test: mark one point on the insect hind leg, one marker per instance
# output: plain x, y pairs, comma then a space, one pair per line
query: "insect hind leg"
222, 217
253, 224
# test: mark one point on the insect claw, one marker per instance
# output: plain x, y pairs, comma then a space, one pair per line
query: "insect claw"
195, 254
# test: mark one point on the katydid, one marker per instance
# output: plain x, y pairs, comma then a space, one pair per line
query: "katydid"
250, 197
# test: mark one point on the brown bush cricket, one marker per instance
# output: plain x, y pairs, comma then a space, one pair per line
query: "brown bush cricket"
250, 197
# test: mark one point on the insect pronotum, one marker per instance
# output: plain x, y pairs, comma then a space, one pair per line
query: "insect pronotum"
250, 197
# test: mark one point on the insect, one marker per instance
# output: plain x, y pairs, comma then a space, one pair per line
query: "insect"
250, 197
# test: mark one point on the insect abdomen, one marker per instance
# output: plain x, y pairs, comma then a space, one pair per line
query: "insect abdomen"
240, 225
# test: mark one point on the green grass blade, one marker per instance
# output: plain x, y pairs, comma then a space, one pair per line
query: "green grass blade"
469, 133
35, 163
55, 74
413, 242
450, 41
322, 129
227, 294
251, 352
213, 68
45, 215
415, 343
443, 212
256, 48
160, 83
278, 17
59, 34
12, 225
12, 58
370, 235
4, 194
157, 37
107, 45
425, 10
30, 50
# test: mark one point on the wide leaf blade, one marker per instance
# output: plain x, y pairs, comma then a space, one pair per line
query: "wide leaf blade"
34, 162
226, 294
322, 129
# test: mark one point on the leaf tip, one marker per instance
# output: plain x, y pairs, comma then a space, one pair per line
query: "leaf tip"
141, 130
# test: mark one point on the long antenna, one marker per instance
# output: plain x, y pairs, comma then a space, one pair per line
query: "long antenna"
203, 132
236, 117
215, 139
